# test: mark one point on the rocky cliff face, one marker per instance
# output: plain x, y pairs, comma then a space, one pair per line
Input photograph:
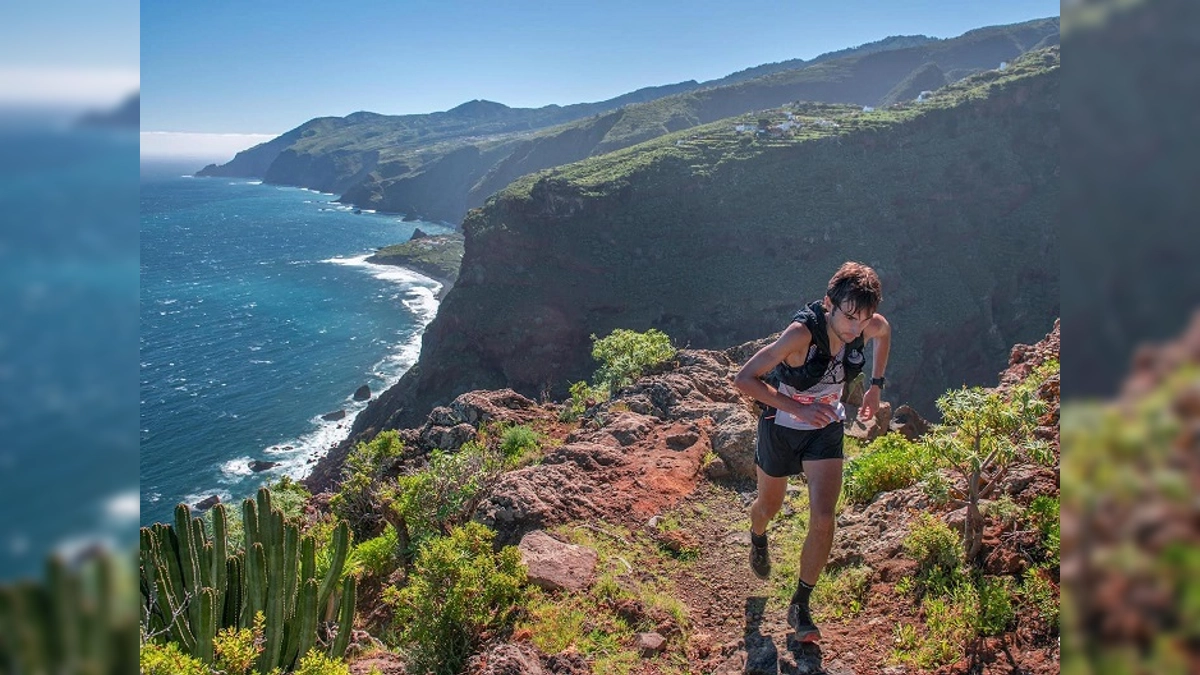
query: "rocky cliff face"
956, 209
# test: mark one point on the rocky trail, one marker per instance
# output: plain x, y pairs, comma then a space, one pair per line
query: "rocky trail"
657, 483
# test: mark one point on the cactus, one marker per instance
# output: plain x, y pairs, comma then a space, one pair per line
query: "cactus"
78, 620
192, 586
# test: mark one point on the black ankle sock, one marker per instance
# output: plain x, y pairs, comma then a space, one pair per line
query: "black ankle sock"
803, 591
759, 540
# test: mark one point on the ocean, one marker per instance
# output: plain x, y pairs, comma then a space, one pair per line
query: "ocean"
68, 343
259, 316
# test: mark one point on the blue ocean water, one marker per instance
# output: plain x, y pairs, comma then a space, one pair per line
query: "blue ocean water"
258, 316
68, 343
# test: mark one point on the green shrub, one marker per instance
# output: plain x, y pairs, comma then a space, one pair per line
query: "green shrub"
995, 610
1040, 592
890, 462
937, 550
625, 354
519, 444
236, 649
357, 499
167, 659
1043, 515
447, 492
459, 587
1005, 511
842, 594
289, 496
983, 436
316, 663
583, 396
376, 557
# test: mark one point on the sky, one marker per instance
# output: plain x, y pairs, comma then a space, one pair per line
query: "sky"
73, 53
263, 68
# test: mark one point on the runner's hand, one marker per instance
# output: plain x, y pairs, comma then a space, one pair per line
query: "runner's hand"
869, 405
816, 414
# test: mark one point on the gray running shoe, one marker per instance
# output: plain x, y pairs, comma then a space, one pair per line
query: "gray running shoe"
801, 621
760, 560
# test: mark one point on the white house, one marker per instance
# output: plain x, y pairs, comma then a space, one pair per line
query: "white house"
868, 108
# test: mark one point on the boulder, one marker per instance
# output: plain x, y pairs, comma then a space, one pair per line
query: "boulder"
363, 393
649, 644
734, 442
334, 416
258, 465
909, 422
508, 658
873, 428
554, 565
207, 503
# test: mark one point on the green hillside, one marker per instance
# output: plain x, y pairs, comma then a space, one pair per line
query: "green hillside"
440, 165
715, 236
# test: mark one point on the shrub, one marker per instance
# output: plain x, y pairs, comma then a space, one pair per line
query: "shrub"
316, 663
236, 649
519, 444
983, 436
357, 500
459, 588
289, 496
842, 595
447, 492
995, 611
1006, 512
890, 462
625, 354
583, 396
936, 548
1043, 515
376, 557
167, 659
1040, 592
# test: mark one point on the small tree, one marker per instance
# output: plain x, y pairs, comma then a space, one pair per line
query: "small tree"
625, 354
982, 438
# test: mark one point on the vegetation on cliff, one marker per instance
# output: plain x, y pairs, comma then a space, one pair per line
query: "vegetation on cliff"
715, 235
438, 256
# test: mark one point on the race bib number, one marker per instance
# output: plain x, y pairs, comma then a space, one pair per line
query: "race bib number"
827, 399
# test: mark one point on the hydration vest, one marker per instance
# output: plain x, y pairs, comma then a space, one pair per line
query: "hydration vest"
814, 369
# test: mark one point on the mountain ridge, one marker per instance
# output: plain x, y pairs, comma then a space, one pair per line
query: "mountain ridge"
389, 163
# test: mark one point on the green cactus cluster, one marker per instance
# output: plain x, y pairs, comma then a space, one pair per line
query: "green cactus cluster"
192, 586
78, 620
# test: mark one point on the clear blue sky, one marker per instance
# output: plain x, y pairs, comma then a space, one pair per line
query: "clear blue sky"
68, 52
265, 67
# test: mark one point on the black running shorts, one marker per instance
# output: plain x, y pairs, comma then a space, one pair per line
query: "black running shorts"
781, 451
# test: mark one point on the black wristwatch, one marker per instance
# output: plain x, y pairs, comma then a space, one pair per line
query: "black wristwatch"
878, 381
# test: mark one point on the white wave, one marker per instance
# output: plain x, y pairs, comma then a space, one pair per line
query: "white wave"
392, 273
235, 469
422, 302
196, 497
81, 547
315, 192
261, 361
122, 507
